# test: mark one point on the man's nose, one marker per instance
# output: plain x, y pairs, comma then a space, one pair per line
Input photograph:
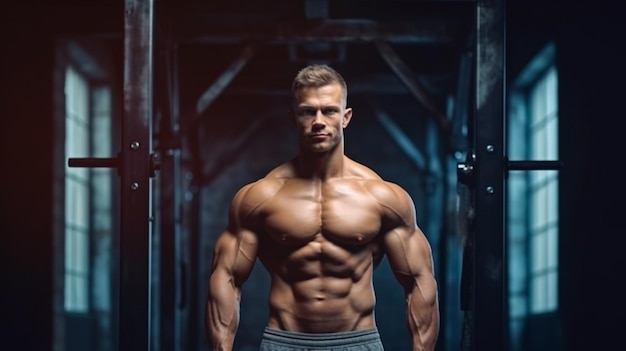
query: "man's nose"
319, 121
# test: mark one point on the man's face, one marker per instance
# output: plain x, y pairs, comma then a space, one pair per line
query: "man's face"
320, 116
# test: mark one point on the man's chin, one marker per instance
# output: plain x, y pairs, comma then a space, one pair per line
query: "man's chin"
319, 148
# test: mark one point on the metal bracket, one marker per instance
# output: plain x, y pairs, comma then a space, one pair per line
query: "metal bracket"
466, 171
533, 165
113, 162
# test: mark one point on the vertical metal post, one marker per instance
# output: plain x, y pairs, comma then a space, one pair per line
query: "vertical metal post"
134, 311
488, 305
169, 199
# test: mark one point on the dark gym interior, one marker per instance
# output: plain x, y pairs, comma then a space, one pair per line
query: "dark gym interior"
419, 75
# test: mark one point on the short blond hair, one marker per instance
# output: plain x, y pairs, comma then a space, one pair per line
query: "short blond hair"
315, 76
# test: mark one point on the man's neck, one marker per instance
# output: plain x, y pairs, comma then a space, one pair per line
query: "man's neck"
323, 165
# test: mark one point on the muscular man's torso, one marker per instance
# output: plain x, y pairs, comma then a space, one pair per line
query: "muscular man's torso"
319, 240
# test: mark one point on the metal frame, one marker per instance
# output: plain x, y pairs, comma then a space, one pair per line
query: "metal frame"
489, 327
167, 215
136, 171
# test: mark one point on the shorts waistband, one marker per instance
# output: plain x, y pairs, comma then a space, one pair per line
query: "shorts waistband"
322, 339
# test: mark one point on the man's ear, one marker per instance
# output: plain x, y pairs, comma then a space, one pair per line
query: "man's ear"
347, 116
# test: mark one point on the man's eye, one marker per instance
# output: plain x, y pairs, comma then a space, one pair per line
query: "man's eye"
329, 111
306, 112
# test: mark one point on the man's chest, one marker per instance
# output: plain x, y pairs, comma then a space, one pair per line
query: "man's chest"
340, 211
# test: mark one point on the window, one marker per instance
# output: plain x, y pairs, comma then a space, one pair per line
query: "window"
88, 195
543, 195
86, 222
77, 194
532, 201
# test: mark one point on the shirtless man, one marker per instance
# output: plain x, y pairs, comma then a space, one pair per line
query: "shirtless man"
320, 224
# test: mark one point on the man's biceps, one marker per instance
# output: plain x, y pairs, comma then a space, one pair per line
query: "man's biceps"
225, 243
396, 238
249, 237
228, 249
234, 236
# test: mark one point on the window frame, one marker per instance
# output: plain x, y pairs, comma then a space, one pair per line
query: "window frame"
521, 131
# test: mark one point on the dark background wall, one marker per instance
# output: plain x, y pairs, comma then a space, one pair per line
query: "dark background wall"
25, 180
28, 33
589, 40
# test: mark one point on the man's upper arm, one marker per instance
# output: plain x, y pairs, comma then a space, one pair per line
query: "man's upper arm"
236, 248
235, 254
408, 253
405, 245
410, 257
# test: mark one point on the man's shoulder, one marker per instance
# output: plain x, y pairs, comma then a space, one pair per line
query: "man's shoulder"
260, 189
380, 188
384, 190
271, 182
395, 202
393, 198
250, 198
361, 171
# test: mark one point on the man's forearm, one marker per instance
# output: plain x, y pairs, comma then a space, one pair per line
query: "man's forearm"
222, 325
423, 332
423, 318
222, 315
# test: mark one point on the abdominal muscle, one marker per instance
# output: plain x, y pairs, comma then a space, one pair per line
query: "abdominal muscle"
321, 287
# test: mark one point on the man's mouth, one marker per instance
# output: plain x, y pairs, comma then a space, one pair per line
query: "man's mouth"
318, 136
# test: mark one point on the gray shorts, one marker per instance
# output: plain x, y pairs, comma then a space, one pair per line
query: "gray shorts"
361, 340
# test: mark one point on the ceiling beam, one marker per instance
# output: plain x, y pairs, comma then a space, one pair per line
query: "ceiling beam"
207, 98
401, 139
379, 84
332, 30
406, 75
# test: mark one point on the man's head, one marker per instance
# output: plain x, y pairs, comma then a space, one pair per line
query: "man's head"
315, 76
319, 112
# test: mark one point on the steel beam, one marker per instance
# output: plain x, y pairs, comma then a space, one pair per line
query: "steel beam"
407, 77
167, 186
207, 98
134, 311
489, 328
231, 30
402, 140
